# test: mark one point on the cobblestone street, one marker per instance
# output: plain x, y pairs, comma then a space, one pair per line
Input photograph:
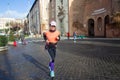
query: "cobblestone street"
83, 60
60, 40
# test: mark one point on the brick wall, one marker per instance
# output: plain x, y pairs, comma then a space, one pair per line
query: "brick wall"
81, 11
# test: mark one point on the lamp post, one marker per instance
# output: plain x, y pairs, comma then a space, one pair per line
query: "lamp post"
8, 22
29, 20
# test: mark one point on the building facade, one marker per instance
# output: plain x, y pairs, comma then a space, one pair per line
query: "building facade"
34, 18
44, 17
62, 16
58, 11
52, 10
38, 17
90, 17
87, 17
5, 22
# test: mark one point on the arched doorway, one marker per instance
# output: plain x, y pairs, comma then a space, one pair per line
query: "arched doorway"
91, 28
99, 24
106, 21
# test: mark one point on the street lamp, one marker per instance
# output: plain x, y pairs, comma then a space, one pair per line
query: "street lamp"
8, 22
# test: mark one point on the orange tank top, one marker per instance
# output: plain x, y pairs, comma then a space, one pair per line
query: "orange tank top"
51, 36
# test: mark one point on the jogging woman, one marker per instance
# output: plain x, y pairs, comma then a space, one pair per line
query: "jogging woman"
52, 37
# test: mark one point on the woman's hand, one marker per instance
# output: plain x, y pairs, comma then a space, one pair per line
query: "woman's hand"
47, 42
57, 38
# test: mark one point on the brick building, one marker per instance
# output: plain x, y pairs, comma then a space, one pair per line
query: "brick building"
89, 17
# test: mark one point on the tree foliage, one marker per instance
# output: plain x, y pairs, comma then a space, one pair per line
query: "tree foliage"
3, 40
116, 19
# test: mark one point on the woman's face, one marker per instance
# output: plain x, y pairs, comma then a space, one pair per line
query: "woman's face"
52, 28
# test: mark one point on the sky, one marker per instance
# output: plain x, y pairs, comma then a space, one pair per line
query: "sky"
15, 8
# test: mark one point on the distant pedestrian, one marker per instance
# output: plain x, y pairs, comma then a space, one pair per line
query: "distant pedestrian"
75, 36
15, 43
52, 37
22, 37
68, 35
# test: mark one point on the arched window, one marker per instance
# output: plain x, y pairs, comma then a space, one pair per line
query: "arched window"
91, 28
99, 24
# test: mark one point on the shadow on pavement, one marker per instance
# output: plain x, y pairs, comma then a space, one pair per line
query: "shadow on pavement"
37, 64
6, 74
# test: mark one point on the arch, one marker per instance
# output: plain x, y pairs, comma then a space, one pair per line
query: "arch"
106, 21
91, 28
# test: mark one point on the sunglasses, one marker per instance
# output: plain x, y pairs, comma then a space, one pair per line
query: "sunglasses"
52, 26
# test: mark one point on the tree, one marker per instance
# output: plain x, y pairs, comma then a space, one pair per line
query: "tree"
7, 24
116, 19
115, 26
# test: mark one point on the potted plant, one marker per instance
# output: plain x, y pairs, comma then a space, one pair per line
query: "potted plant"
3, 42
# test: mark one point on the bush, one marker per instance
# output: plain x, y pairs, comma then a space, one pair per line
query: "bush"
3, 40
12, 37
